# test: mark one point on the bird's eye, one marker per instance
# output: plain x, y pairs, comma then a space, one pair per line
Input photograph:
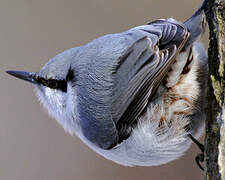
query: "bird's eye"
44, 82
52, 83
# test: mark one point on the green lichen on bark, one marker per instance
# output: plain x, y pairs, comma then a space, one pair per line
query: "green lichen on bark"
215, 123
218, 89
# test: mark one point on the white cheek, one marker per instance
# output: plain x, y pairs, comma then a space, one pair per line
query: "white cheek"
56, 100
61, 106
52, 100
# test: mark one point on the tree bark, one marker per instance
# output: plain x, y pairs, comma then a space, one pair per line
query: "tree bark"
215, 122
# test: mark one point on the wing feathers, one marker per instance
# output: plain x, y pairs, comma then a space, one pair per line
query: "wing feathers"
141, 70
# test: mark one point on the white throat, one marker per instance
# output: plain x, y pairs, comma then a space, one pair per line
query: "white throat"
61, 106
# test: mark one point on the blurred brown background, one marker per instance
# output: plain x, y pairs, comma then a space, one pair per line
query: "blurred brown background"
32, 145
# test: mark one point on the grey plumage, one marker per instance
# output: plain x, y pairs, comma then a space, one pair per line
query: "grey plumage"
103, 90
116, 90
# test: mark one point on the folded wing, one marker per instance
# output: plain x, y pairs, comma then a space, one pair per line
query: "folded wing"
141, 69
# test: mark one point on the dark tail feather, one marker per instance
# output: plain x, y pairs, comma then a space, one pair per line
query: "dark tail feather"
196, 24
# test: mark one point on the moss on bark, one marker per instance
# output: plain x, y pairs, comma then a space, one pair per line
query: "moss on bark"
215, 123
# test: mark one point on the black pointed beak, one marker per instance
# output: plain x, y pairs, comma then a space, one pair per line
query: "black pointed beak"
26, 76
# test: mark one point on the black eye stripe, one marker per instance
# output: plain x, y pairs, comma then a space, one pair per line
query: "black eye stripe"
54, 83
70, 75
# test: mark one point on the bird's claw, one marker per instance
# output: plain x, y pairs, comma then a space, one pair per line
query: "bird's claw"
200, 157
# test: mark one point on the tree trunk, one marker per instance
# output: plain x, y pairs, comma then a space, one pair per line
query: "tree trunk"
215, 123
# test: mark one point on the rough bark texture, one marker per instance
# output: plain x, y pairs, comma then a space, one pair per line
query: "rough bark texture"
215, 123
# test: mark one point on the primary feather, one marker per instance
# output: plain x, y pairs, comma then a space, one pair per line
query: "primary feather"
140, 71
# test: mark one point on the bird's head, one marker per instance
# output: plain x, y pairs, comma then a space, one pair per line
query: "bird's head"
53, 87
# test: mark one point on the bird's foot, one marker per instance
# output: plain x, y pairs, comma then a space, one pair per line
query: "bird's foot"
200, 157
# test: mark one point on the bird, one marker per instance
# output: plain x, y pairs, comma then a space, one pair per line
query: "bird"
137, 97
